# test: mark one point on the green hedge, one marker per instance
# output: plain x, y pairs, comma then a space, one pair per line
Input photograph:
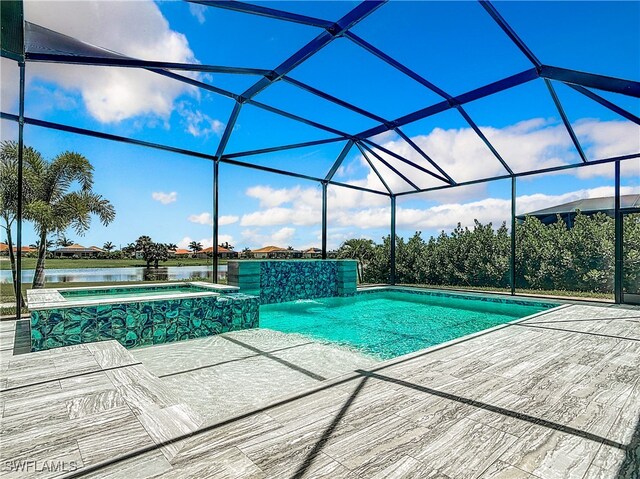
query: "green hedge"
548, 257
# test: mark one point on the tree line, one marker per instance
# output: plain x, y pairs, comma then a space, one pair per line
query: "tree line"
548, 257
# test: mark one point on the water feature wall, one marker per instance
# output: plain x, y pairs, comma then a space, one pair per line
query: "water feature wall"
142, 323
278, 281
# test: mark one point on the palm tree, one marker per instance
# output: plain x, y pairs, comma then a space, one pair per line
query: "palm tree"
108, 246
195, 247
63, 241
36, 245
54, 208
360, 249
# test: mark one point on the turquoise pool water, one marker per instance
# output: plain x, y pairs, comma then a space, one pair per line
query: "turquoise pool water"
92, 294
392, 323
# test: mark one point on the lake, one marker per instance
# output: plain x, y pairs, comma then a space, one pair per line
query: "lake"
97, 275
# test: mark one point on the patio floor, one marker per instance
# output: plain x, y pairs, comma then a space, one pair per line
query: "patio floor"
555, 396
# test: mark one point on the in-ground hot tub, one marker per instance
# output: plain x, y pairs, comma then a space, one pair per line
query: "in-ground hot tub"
137, 315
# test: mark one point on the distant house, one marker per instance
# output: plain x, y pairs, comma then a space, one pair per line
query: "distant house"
180, 253
275, 252
77, 251
587, 206
312, 253
223, 252
267, 252
4, 249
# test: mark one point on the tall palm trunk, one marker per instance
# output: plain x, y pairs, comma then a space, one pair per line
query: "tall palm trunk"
14, 270
38, 277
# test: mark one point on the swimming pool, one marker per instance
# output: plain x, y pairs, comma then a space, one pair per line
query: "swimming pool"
390, 323
90, 294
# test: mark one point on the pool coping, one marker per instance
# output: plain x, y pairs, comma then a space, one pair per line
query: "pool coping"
285, 399
53, 299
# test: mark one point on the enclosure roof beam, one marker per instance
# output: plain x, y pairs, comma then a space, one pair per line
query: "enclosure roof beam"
424, 155
181, 151
592, 80
339, 160
484, 139
565, 120
265, 12
298, 118
502, 23
226, 134
404, 160
486, 90
273, 149
395, 64
373, 168
127, 62
333, 99
606, 103
359, 13
551, 169
391, 167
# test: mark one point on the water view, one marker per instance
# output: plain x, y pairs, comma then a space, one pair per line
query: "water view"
138, 273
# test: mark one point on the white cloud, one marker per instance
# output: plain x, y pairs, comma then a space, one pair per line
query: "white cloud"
257, 238
227, 220
349, 218
206, 218
197, 11
206, 242
283, 234
526, 146
608, 139
199, 124
165, 198
270, 197
137, 29
301, 216
494, 210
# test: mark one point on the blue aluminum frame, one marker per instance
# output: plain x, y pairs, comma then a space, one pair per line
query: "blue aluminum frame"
73, 51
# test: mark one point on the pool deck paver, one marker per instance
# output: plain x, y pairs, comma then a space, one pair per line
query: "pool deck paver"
554, 396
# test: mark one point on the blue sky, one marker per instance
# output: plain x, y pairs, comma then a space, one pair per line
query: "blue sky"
456, 45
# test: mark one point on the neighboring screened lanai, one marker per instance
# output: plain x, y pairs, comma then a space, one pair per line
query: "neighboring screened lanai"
498, 61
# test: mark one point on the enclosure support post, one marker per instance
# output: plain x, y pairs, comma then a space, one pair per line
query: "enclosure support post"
216, 167
512, 256
392, 272
324, 220
19, 205
618, 239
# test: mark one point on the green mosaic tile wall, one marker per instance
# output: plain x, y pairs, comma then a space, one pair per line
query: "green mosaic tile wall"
278, 281
136, 324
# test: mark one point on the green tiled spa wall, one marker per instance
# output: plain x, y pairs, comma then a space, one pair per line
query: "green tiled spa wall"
136, 324
290, 280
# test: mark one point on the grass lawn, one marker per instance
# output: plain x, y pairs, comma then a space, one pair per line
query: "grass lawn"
64, 263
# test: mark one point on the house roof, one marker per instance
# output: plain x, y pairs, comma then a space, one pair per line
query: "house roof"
182, 251
268, 249
78, 248
313, 250
221, 249
588, 205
